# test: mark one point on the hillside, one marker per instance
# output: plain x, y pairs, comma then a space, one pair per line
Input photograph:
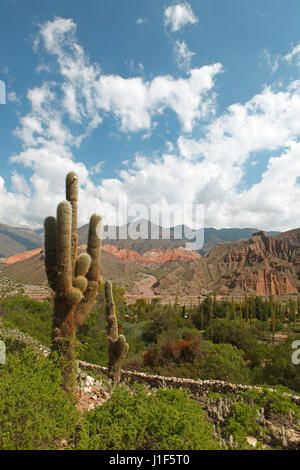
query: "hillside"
262, 265
14, 240
32, 270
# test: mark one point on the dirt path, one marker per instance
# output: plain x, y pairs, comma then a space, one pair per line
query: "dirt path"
142, 288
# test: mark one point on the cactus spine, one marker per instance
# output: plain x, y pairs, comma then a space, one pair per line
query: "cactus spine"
118, 348
75, 280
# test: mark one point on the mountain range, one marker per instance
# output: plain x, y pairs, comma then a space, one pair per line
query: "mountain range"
264, 264
15, 240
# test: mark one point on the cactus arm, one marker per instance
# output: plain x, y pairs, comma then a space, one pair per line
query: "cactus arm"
93, 249
112, 324
72, 197
64, 260
50, 251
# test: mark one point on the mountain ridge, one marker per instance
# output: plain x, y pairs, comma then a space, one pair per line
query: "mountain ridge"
14, 240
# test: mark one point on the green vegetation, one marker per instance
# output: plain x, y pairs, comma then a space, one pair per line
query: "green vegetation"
177, 340
34, 411
242, 423
273, 402
30, 316
163, 419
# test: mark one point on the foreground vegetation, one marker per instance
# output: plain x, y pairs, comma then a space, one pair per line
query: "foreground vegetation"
193, 342
208, 341
36, 413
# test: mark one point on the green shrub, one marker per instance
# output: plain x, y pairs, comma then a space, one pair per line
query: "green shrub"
34, 411
272, 401
279, 368
164, 419
242, 423
243, 336
30, 316
223, 362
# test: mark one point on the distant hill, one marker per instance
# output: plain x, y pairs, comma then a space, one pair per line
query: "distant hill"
15, 240
212, 237
263, 265
32, 270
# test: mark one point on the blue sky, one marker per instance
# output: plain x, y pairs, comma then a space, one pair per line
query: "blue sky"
161, 102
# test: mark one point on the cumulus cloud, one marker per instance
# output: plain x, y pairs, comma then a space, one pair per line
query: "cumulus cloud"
65, 111
178, 16
206, 170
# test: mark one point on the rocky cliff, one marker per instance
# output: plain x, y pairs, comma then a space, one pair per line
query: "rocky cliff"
155, 255
263, 265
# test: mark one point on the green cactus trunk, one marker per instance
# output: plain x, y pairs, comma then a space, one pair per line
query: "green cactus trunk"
75, 280
118, 348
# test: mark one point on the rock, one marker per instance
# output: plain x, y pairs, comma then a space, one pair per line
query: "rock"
89, 381
266, 447
251, 441
293, 438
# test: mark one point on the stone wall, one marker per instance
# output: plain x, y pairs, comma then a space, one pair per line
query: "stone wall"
195, 386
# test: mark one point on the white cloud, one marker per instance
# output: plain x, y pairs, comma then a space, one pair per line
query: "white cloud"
182, 54
85, 97
19, 184
177, 16
141, 20
89, 95
96, 169
13, 97
294, 55
207, 169
272, 61
42, 68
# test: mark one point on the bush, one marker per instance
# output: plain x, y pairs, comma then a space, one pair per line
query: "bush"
160, 420
34, 411
279, 368
242, 423
223, 362
275, 402
243, 336
30, 316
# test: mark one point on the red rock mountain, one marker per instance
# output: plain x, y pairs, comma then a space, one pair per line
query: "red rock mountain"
262, 265
155, 255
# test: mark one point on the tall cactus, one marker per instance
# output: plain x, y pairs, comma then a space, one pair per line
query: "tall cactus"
75, 279
118, 348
